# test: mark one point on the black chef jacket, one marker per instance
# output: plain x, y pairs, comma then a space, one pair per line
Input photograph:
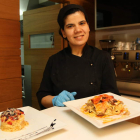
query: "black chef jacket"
88, 75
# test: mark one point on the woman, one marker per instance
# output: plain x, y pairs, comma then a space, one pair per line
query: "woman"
79, 70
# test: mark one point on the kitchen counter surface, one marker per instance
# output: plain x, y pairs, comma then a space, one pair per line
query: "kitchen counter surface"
80, 129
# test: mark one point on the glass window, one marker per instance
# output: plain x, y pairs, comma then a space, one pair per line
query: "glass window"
45, 40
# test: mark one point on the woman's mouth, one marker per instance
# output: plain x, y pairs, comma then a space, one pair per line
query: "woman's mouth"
79, 37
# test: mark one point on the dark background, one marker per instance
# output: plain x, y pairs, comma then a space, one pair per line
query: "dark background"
117, 12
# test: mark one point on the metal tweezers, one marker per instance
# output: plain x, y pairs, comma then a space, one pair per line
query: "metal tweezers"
37, 132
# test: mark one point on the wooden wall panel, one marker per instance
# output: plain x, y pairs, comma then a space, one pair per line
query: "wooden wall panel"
38, 21
9, 52
9, 9
9, 37
40, 24
35, 103
10, 3
39, 61
37, 52
9, 42
10, 67
38, 74
9, 27
10, 61
10, 89
11, 104
35, 88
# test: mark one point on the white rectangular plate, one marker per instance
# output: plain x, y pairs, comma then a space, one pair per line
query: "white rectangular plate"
132, 106
36, 120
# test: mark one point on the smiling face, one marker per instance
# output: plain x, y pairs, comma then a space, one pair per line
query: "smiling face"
76, 29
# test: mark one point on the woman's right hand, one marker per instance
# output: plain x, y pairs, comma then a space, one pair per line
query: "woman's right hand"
64, 96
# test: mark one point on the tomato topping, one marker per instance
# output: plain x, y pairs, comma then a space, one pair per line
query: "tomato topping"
101, 98
10, 123
11, 118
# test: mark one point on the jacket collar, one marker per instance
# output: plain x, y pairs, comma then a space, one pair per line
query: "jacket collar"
89, 53
85, 49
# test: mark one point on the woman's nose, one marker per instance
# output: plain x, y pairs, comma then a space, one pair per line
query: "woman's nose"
77, 29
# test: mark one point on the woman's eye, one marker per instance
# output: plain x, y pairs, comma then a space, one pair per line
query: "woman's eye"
82, 23
69, 26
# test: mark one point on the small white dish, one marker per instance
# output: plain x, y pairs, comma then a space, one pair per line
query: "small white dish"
37, 121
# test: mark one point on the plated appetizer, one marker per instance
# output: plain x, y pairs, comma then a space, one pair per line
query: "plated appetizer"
105, 107
13, 120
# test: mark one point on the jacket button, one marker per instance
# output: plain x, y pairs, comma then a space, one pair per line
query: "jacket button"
91, 83
91, 64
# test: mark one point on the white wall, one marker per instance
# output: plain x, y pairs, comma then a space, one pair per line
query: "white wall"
23, 7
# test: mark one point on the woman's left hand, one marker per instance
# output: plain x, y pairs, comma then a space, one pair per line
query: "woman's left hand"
64, 96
